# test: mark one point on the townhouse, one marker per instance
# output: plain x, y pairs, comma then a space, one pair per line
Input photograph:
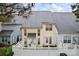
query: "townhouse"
51, 30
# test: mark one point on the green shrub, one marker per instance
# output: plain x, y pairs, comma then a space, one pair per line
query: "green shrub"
9, 51
6, 51
2, 52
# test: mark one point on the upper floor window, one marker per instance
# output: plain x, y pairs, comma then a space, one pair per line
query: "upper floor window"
67, 39
25, 32
49, 27
38, 32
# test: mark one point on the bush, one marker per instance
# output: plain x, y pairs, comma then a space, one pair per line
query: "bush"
9, 51
6, 51
2, 51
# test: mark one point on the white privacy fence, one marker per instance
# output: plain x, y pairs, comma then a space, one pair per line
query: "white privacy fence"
19, 51
47, 52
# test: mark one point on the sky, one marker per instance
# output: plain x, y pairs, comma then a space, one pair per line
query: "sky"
54, 7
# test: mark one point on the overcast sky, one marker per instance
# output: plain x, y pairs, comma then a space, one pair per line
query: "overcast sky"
54, 7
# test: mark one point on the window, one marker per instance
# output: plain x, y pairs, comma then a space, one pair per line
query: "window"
50, 40
2, 39
49, 27
38, 32
25, 32
31, 34
78, 41
38, 41
17, 38
67, 39
46, 40
74, 40
5, 39
25, 42
29, 45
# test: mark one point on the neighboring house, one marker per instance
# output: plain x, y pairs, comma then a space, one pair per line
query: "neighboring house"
50, 29
9, 33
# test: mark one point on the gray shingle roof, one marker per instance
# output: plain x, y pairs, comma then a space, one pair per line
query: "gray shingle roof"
34, 19
10, 26
65, 21
6, 32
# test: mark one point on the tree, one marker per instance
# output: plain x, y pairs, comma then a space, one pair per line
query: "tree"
75, 9
6, 11
27, 8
